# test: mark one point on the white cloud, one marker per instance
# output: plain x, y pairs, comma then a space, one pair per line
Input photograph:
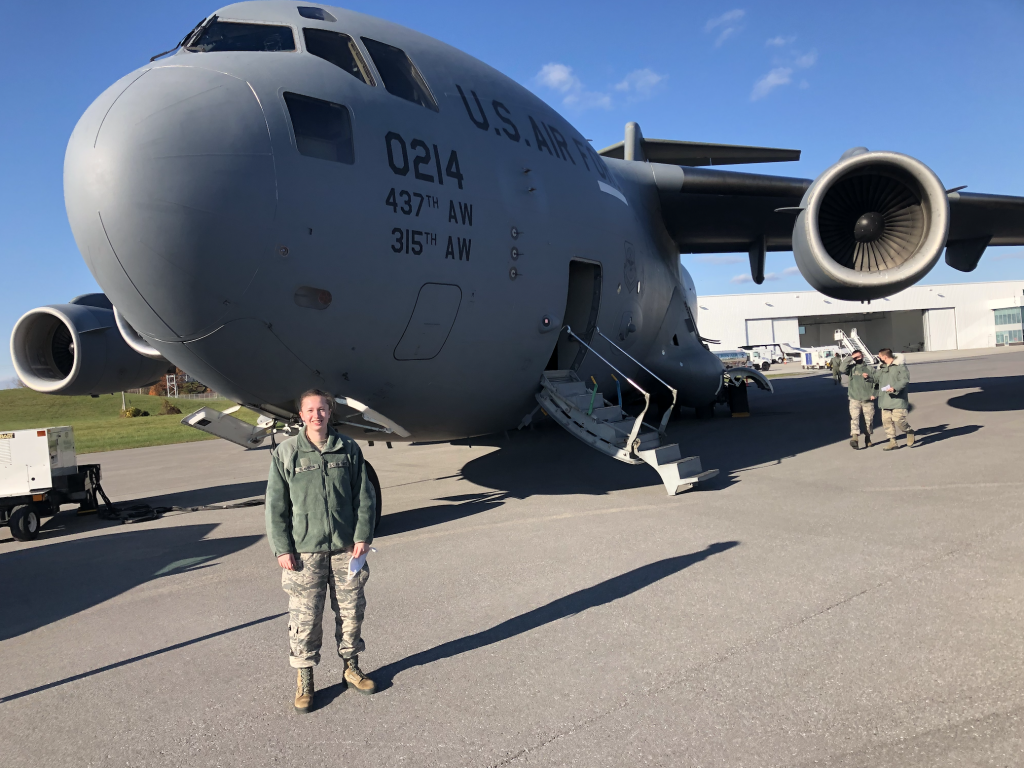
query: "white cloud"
791, 271
709, 259
725, 19
1005, 256
782, 74
640, 82
560, 78
779, 41
771, 81
807, 60
745, 278
728, 22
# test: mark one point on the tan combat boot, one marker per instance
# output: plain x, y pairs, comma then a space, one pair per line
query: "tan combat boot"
855, 443
867, 441
892, 446
910, 437
304, 691
356, 679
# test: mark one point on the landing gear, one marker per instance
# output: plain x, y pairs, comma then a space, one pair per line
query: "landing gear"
705, 411
737, 398
375, 482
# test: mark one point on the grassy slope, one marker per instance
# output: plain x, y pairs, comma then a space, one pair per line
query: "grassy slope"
97, 420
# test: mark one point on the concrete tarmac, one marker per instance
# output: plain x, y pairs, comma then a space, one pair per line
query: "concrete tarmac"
533, 603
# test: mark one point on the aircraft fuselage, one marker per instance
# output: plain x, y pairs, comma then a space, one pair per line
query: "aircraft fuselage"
427, 275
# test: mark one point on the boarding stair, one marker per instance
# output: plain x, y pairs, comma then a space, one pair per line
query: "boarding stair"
587, 414
854, 343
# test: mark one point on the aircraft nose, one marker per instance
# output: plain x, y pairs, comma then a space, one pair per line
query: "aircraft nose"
177, 186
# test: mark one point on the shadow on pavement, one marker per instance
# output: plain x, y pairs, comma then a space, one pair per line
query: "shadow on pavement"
998, 393
141, 657
45, 584
548, 461
944, 432
602, 593
424, 517
200, 497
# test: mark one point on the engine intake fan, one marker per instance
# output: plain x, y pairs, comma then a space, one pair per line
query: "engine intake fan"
872, 224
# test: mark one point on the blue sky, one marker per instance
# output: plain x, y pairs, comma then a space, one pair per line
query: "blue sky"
943, 81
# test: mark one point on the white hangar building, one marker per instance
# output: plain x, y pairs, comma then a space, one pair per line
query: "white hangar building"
921, 318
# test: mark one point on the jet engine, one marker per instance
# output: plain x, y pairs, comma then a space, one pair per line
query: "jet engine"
871, 225
77, 349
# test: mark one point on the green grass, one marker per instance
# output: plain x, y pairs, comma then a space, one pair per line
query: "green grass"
98, 423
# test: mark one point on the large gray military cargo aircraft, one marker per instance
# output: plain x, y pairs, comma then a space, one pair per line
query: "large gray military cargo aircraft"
301, 196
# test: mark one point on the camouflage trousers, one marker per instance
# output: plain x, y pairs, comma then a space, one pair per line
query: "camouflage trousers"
307, 589
858, 407
892, 418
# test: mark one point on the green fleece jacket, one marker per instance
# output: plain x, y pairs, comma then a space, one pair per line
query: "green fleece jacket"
897, 377
318, 502
859, 387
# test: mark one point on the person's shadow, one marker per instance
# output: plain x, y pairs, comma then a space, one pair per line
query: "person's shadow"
602, 593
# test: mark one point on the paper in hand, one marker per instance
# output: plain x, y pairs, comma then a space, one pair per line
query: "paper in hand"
355, 564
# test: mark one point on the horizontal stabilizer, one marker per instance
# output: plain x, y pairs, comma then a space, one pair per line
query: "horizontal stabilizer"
697, 153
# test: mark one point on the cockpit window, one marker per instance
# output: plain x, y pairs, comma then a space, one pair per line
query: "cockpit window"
322, 129
399, 74
308, 12
235, 36
338, 49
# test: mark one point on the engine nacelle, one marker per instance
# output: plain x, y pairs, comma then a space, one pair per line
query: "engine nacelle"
871, 225
76, 349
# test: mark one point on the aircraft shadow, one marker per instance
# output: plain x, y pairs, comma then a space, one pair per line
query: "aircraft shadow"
424, 517
549, 461
604, 592
802, 415
45, 584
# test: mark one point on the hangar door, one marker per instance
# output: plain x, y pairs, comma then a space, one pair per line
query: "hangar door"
939, 329
778, 330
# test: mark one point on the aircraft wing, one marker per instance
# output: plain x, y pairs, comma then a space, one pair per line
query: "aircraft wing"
713, 211
977, 221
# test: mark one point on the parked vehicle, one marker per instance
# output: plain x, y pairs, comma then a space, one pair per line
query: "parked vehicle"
733, 358
763, 356
39, 471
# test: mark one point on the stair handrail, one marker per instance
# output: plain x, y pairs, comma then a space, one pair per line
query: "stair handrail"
668, 413
632, 443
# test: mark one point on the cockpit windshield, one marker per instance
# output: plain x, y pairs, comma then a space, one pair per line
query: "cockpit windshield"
338, 49
236, 36
399, 74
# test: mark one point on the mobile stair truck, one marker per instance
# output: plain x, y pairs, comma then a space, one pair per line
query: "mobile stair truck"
39, 471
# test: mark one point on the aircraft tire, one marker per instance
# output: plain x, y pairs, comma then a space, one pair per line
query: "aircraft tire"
376, 489
25, 522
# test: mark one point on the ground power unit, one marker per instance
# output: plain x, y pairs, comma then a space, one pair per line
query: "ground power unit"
39, 471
